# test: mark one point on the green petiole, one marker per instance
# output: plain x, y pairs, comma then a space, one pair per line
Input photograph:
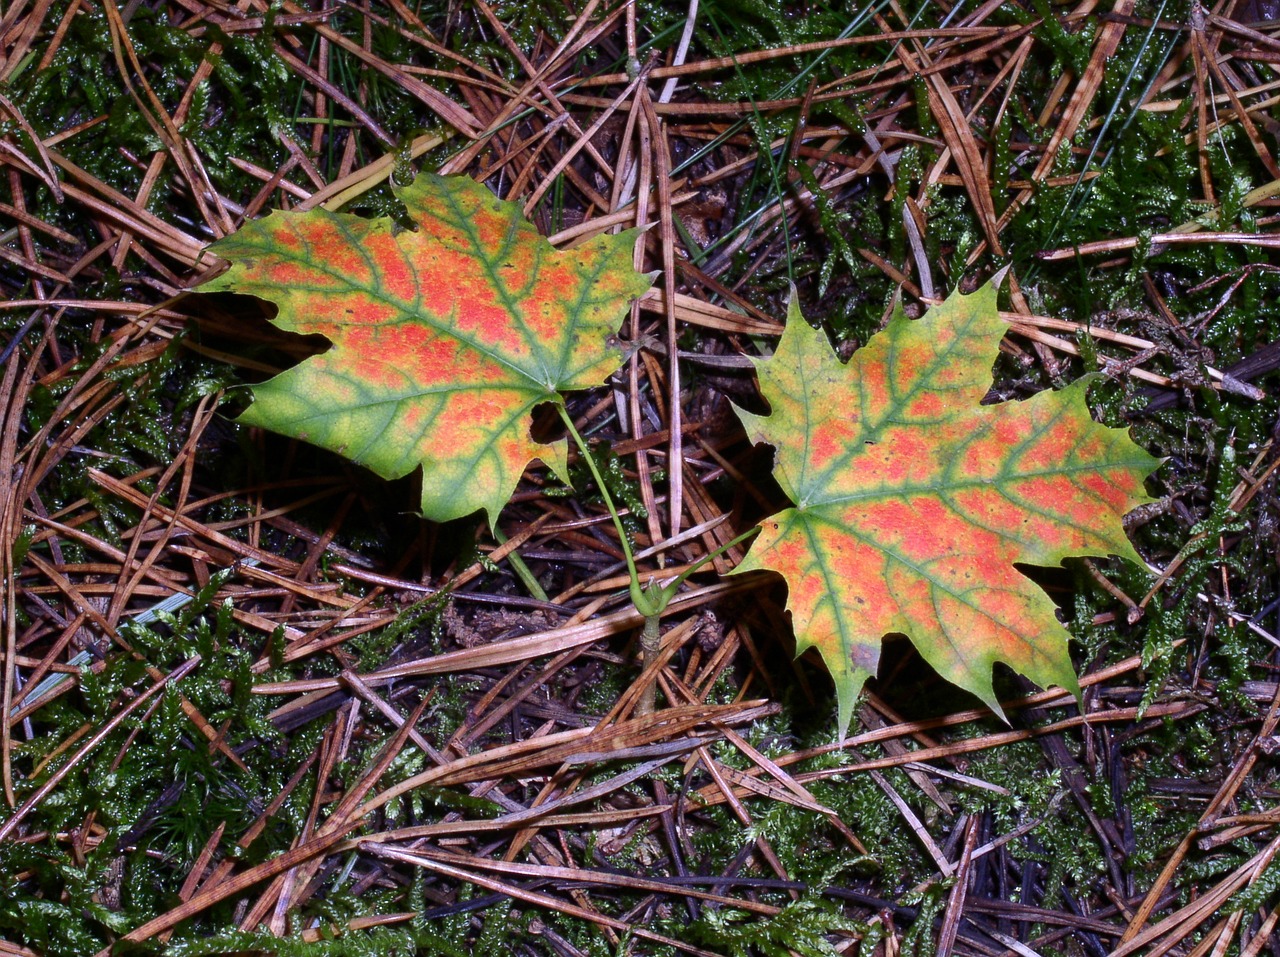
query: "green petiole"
649, 600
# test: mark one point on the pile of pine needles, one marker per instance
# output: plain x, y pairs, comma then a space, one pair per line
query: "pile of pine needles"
253, 706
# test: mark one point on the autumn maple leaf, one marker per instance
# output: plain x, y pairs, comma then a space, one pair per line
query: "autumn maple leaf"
444, 337
913, 501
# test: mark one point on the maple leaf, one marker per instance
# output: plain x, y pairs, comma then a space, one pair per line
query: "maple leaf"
444, 338
913, 501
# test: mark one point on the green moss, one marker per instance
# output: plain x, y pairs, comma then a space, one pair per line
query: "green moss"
802, 927
159, 791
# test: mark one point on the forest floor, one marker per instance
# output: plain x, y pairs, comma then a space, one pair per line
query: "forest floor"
224, 650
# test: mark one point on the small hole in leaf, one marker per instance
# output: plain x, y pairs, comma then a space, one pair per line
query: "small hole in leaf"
547, 426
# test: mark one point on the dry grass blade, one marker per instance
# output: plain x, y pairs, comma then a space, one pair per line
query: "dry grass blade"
14, 388
386, 714
543, 900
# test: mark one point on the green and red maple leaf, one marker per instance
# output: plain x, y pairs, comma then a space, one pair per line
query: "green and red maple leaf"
913, 501
445, 337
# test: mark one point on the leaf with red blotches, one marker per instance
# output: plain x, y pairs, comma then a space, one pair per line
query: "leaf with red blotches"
445, 337
913, 501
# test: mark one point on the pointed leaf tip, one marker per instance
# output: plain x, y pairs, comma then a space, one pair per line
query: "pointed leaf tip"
914, 502
445, 337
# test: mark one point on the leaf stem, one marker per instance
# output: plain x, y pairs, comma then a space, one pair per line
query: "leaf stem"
523, 572
638, 596
652, 600
710, 556
650, 643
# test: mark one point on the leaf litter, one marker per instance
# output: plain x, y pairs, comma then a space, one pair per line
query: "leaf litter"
1146, 822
